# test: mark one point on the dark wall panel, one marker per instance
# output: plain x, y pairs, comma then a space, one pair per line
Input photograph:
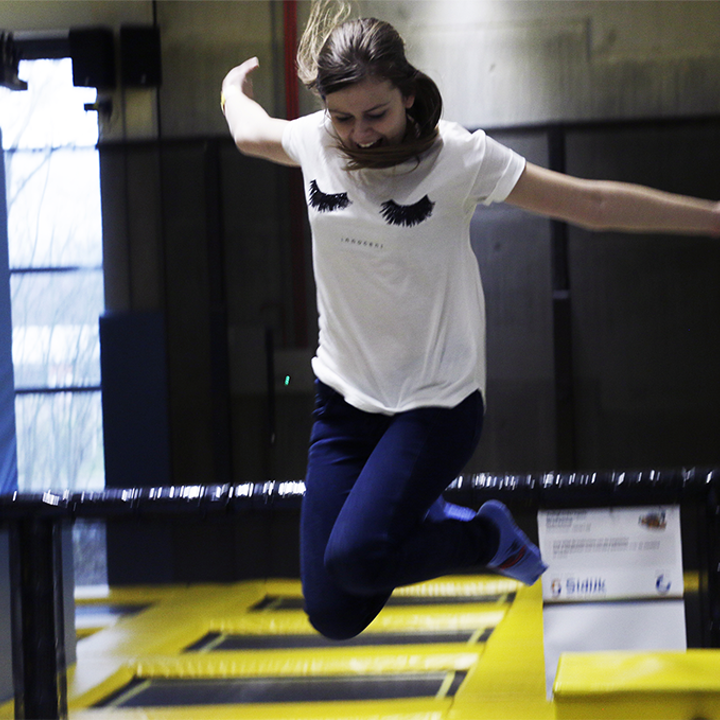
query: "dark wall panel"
146, 252
132, 227
646, 308
513, 251
256, 228
196, 321
264, 275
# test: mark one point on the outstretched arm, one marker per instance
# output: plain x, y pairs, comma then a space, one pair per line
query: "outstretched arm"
607, 205
254, 131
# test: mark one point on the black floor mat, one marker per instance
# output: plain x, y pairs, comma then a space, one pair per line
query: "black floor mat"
277, 602
218, 641
174, 693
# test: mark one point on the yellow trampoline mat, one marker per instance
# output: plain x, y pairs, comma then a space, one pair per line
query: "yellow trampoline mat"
495, 672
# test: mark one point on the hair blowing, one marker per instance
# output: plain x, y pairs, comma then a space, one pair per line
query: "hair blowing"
335, 53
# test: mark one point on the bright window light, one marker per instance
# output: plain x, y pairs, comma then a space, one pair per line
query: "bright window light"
55, 249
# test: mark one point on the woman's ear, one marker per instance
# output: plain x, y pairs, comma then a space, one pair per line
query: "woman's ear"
408, 101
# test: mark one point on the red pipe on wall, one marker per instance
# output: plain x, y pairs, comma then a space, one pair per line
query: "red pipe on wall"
292, 95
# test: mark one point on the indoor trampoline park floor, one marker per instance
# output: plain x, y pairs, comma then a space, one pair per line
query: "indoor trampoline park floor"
458, 648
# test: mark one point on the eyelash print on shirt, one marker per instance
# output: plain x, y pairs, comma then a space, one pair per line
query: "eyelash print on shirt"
407, 215
327, 203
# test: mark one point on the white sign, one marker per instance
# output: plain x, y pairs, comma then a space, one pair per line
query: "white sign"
607, 570
611, 554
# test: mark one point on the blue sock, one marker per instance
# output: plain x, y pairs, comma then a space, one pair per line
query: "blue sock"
441, 509
517, 557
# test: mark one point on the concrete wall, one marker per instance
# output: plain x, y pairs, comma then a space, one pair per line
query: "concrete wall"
507, 62
498, 62
201, 42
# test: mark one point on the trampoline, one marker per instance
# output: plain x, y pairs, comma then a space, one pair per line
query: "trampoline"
172, 693
462, 647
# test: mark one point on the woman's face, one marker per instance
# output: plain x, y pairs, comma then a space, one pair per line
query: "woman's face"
370, 113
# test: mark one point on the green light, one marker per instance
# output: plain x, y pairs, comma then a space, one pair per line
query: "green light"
287, 380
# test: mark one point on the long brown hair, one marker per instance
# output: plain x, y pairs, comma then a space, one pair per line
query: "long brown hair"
353, 50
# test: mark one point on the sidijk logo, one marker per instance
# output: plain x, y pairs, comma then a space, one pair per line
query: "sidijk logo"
573, 587
663, 585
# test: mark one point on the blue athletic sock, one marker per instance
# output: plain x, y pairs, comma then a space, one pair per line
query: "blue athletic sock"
517, 557
441, 509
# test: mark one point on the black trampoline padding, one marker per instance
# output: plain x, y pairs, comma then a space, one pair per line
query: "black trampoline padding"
216, 641
230, 691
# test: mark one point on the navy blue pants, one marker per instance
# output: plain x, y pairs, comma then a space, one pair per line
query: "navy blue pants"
371, 482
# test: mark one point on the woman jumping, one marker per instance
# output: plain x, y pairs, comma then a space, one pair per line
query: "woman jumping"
400, 365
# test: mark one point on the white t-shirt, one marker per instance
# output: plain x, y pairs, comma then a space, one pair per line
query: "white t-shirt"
400, 301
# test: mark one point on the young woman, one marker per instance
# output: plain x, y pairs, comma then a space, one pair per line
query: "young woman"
400, 365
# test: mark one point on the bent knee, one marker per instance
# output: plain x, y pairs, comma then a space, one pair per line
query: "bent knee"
334, 627
341, 618
358, 569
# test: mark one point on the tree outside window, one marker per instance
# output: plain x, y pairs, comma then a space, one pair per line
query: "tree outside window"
56, 280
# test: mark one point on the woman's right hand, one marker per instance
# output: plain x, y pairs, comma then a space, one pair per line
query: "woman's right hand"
254, 131
239, 78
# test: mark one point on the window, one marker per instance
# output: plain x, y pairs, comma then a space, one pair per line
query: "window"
56, 281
